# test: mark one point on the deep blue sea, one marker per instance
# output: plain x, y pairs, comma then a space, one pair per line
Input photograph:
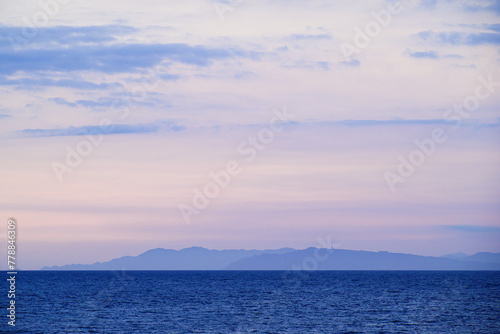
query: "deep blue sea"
256, 302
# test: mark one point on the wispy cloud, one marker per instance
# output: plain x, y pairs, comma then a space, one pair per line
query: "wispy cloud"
461, 38
491, 6
423, 54
391, 122
166, 126
483, 38
324, 65
311, 36
65, 35
473, 228
493, 27
454, 56
169, 126
352, 62
429, 4
102, 102
116, 58
466, 5
27, 83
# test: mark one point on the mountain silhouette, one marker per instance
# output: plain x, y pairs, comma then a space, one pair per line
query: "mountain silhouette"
313, 259
193, 258
198, 258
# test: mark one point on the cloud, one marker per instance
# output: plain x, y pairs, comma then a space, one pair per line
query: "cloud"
467, 5
352, 62
4, 116
454, 56
29, 83
112, 129
169, 126
461, 38
492, 6
429, 4
483, 38
244, 75
392, 122
116, 58
371, 122
49, 37
423, 54
323, 64
493, 27
311, 36
368, 123
453, 38
307, 64
473, 228
62, 101
163, 76
102, 102
25, 83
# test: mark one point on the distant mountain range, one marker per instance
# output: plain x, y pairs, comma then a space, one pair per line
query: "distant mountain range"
198, 258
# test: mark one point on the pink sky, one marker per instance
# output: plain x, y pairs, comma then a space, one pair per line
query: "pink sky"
188, 93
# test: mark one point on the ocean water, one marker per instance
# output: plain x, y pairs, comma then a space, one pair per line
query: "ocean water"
256, 302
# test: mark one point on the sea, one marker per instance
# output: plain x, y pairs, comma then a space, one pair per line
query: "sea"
255, 302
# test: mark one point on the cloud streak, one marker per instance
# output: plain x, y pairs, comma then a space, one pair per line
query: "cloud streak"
492, 6
311, 36
473, 228
117, 58
461, 38
26, 83
165, 126
169, 126
63, 35
423, 54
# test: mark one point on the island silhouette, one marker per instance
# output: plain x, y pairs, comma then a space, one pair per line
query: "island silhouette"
199, 258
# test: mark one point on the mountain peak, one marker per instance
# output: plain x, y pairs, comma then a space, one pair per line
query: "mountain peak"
458, 255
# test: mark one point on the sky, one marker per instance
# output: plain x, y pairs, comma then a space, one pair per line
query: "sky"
127, 126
